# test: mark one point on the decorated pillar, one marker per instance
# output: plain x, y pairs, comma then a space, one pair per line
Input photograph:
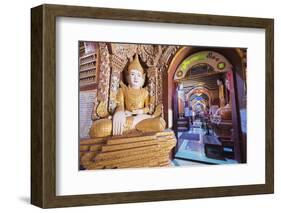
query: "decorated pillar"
100, 107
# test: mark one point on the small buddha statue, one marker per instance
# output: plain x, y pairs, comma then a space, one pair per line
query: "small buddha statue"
225, 111
221, 92
132, 108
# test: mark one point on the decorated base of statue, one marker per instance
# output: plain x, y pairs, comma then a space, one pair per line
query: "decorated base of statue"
131, 151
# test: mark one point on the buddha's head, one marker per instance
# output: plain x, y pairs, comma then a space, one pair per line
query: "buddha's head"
135, 75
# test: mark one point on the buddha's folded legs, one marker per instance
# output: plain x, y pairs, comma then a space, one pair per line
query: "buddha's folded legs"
151, 125
103, 127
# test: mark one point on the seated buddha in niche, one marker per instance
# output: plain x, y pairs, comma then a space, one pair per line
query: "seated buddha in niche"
225, 111
132, 110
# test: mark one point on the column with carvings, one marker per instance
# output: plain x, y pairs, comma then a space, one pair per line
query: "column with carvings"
100, 108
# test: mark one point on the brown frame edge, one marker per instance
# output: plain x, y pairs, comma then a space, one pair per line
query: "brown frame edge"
43, 105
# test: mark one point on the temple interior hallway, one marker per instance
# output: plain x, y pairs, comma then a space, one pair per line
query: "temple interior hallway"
191, 149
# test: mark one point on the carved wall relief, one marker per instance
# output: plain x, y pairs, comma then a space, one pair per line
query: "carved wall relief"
150, 54
100, 108
114, 58
117, 65
168, 53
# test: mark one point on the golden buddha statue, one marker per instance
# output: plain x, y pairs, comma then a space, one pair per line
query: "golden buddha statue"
221, 92
132, 110
225, 111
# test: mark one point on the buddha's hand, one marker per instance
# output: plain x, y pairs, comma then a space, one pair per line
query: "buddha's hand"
119, 121
138, 111
128, 113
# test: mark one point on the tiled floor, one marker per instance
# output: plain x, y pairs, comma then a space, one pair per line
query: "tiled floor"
179, 162
191, 151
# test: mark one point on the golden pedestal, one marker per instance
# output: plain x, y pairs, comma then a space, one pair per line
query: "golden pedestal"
130, 151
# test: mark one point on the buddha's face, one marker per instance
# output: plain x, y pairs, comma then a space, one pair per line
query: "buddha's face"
135, 79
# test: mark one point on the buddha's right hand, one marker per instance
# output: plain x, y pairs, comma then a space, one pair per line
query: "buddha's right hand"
119, 120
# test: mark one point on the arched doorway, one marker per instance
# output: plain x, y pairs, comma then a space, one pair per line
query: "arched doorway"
192, 63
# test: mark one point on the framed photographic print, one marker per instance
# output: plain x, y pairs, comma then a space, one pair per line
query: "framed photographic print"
136, 106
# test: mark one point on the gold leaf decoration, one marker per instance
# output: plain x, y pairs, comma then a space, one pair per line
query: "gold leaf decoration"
102, 109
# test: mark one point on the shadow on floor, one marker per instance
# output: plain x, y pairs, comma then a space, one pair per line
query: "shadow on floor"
25, 199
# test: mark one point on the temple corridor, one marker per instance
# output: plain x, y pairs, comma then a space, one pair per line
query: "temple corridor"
191, 147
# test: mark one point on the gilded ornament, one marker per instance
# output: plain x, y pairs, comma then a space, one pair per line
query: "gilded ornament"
102, 109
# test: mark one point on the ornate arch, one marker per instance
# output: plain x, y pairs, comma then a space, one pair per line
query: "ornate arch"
217, 61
